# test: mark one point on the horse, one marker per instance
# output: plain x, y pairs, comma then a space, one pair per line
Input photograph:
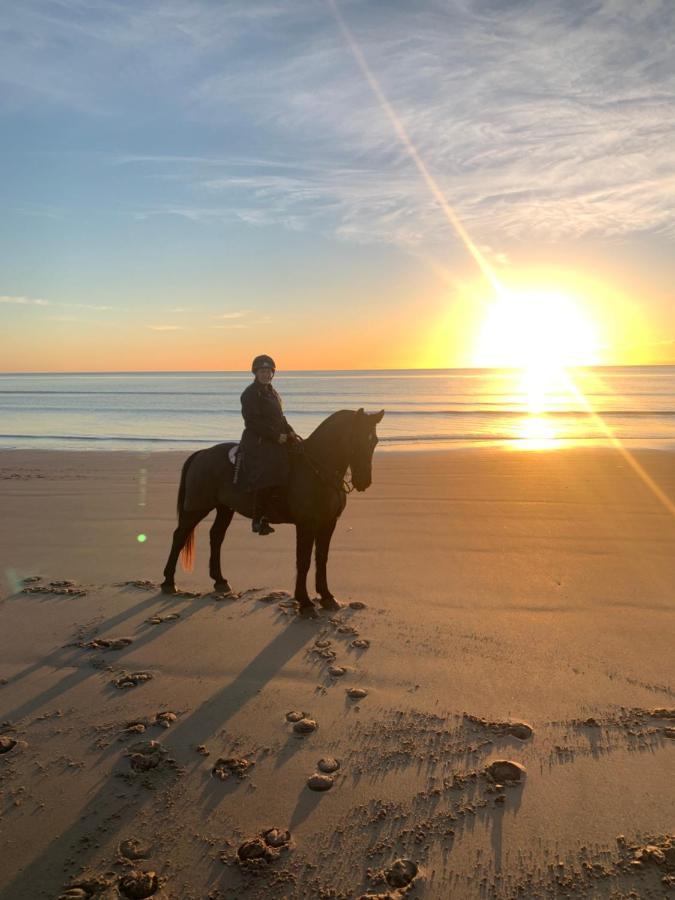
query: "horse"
313, 500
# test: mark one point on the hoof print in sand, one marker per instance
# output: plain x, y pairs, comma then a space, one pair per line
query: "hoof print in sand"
337, 671
146, 755
360, 644
107, 643
304, 726
165, 719
328, 765
356, 693
132, 848
276, 597
266, 847
131, 679
142, 585
294, 716
401, 873
135, 728
63, 588
138, 885
669, 733
159, 620
320, 782
502, 770
275, 837
520, 730
224, 767
7, 744
357, 604
202, 749
661, 713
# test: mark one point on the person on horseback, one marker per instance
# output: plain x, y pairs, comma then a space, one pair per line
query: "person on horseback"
264, 466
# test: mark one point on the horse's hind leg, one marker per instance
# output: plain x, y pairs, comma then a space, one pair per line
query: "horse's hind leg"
304, 541
323, 536
216, 535
187, 522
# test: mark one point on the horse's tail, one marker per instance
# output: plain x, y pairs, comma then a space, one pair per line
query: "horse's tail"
187, 554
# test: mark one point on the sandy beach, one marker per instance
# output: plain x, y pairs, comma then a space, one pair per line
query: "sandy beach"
482, 590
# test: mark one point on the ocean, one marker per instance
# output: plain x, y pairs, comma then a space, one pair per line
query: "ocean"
149, 411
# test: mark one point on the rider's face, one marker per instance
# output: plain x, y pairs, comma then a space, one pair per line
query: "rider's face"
264, 374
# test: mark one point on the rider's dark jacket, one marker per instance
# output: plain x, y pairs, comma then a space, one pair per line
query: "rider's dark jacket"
264, 461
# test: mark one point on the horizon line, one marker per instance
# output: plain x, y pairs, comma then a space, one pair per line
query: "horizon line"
247, 371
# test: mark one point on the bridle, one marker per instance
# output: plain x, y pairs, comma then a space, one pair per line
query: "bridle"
336, 481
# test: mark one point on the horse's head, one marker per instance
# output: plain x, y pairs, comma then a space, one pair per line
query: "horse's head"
363, 442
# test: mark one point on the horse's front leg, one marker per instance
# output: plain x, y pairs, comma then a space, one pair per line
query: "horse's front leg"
323, 537
304, 541
216, 535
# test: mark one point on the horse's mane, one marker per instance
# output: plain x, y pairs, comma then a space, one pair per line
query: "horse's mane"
336, 420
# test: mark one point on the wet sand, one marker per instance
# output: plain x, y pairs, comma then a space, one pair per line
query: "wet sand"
507, 607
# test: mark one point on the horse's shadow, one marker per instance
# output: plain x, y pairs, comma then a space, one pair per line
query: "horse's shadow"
112, 810
61, 658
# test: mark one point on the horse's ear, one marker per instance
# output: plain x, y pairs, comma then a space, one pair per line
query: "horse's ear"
377, 417
359, 413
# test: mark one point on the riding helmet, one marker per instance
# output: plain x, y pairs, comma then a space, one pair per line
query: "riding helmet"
261, 361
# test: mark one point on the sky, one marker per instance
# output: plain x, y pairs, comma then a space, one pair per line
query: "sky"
338, 183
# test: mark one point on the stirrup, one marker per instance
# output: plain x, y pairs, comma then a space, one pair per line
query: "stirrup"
264, 527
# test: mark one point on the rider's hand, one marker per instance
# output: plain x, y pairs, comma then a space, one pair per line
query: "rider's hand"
282, 438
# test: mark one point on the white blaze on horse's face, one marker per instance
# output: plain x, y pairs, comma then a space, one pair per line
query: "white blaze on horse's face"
364, 441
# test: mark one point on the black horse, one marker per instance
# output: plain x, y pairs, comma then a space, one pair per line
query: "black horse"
314, 499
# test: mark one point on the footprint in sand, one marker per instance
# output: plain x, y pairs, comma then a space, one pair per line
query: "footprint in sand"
132, 848
158, 620
165, 719
328, 764
225, 767
276, 837
337, 671
145, 755
502, 770
138, 885
7, 744
304, 726
141, 585
107, 643
131, 679
401, 873
360, 644
267, 846
356, 693
320, 782
135, 728
64, 588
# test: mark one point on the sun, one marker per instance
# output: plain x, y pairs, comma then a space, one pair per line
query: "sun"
539, 331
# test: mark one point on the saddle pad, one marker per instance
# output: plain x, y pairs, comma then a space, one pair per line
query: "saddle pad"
232, 454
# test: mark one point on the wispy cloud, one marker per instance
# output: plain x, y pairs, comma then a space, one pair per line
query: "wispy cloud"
546, 121
24, 301
232, 315
166, 327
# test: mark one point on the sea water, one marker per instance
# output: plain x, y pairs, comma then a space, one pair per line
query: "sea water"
424, 408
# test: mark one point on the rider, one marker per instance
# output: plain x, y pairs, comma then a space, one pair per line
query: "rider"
264, 443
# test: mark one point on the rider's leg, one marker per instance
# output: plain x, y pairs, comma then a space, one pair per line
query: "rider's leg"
261, 506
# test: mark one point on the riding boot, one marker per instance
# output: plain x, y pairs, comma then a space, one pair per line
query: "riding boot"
261, 523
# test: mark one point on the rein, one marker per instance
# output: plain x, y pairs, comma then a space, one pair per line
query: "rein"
337, 482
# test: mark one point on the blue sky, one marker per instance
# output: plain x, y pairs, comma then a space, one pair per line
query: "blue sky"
210, 178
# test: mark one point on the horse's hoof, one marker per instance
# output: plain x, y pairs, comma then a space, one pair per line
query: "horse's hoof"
222, 587
307, 611
329, 603
168, 587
